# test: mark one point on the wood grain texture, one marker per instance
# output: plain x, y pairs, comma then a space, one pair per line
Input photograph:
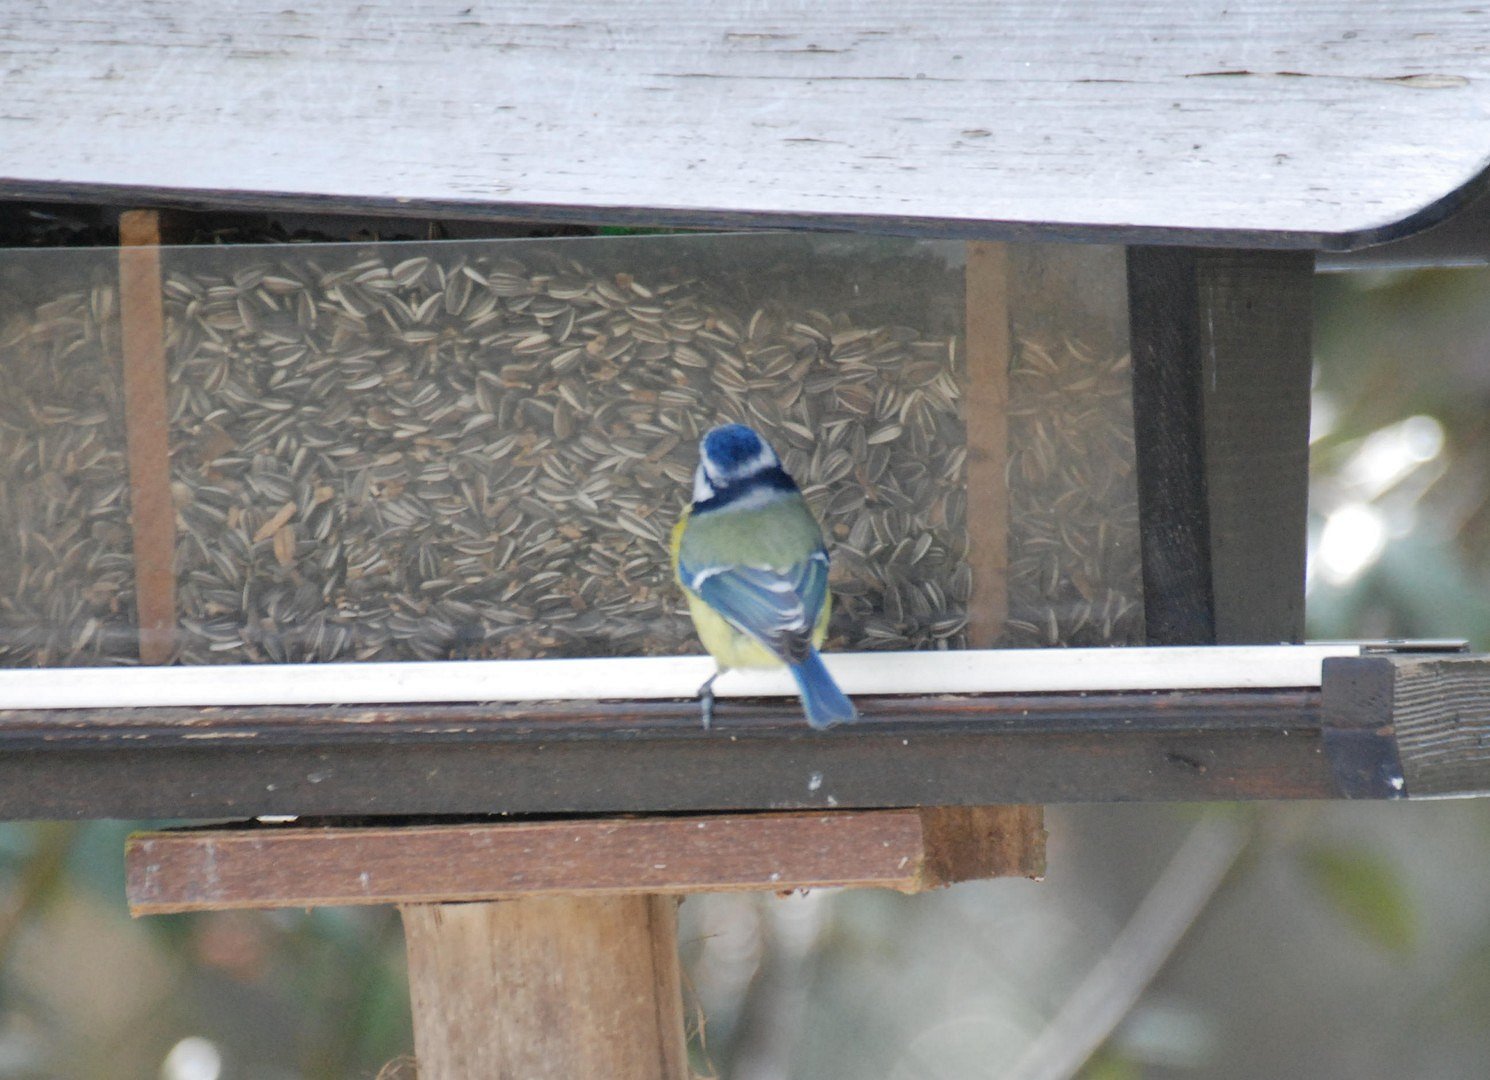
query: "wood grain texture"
301, 866
549, 988
597, 757
152, 511
1436, 709
986, 414
1258, 123
1255, 348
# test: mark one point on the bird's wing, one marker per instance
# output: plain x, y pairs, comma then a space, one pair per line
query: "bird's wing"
777, 607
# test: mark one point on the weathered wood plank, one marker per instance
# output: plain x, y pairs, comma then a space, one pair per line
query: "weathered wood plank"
1425, 719
1256, 123
298, 866
597, 757
547, 988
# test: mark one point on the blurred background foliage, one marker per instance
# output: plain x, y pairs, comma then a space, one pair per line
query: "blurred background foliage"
1279, 941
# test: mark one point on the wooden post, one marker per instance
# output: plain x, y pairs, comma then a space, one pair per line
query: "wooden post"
1257, 354
1169, 433
152, 512
1221, 355
547, 988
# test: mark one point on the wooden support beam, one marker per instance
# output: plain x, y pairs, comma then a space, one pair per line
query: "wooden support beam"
299, 866
549, 988
152, 511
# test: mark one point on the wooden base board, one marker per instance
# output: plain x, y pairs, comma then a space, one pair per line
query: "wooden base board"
268, 866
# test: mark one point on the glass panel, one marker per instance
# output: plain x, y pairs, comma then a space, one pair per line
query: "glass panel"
478, 448
66, 569
1075, 570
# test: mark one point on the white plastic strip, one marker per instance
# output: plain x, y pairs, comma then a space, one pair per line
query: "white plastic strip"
965, 672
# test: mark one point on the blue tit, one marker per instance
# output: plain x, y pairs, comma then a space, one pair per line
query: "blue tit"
750, 558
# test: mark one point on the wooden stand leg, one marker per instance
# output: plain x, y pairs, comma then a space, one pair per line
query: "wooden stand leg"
547, 987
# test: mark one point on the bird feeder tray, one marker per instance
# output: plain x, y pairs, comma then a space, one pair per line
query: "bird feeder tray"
308, 507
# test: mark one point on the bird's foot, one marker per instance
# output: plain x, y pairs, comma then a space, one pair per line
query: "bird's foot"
706, 701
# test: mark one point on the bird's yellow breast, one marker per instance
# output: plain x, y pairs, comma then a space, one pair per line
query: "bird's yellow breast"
729, 647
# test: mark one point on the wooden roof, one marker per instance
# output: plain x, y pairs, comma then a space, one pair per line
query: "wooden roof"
1330, 125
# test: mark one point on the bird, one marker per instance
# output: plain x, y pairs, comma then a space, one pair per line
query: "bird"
751, 561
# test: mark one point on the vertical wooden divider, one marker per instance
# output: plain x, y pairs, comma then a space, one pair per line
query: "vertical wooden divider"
987, 420
547, 988
989, 334
152, 511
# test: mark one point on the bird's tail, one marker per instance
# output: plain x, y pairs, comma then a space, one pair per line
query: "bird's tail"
822, 701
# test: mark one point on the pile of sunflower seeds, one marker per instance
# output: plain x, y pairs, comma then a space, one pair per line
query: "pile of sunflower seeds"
1075, 573
431, 451
426, 454
66, 569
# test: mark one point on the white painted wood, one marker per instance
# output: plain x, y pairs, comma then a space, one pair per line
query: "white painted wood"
1319, 123
654, 678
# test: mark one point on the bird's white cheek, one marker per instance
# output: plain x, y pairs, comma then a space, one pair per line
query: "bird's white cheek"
702, 490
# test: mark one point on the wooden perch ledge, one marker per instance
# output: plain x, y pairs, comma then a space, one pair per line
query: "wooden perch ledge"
1379, 726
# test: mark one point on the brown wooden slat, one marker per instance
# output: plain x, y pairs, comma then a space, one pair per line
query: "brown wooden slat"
293, 866
608, 757
987, 418
152, 512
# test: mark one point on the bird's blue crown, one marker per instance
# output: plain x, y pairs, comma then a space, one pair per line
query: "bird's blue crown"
736, 463
734, 450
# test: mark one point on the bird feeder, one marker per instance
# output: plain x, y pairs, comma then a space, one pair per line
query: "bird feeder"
374, 527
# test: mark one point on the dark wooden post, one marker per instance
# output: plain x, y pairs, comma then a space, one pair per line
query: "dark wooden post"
1256, 354
1221, 362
